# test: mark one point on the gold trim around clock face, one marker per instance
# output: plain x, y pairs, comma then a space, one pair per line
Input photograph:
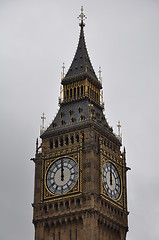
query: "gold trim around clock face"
104, 193
111, 180
47, 194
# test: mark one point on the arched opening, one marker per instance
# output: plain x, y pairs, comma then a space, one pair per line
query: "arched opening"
51, 144
78, 91
61, 142
71, 93
81, 90
72, 139
74, 93
66, 140
56, 143
67, 204
56, 206
67, 92
77, 137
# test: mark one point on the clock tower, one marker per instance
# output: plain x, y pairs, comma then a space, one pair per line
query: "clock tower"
80, 188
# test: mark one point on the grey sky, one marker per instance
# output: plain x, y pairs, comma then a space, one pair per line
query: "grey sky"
36, 37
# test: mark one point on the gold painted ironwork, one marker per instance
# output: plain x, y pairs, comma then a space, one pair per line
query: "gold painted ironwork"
104, 194
46, 195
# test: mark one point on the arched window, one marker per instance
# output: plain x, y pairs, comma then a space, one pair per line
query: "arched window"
56, 206
67, 204
72, 139
81, 90
51, 143
74, 92
78, 91
66, 140
67, 93
71, 93
61, 142
56, 143
77, 137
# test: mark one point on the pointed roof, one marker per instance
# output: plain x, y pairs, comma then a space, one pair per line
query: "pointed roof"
81, 66
81, 62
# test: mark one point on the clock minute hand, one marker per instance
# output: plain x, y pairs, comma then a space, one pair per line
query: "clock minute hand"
111, 175
62, 171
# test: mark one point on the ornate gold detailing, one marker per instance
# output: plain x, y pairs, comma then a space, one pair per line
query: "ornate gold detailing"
104, 194
47, 162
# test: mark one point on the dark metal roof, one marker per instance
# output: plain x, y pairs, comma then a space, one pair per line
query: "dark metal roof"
77, 115
81, 62
83, 112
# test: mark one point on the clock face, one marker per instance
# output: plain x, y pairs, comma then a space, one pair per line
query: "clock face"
111, 180
62, 176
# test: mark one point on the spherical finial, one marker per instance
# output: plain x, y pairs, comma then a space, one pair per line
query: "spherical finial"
82, 17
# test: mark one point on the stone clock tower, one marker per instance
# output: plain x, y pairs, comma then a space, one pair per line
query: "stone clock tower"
80, 172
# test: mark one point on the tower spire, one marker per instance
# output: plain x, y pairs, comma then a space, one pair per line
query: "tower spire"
82, 17
81, 66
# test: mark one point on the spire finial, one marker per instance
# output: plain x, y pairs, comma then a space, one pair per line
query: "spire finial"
119, 127
63, 70
119, 132
82, 17
100, 75
43, 119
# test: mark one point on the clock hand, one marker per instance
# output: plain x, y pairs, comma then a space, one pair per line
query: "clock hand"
62, 171
111, 175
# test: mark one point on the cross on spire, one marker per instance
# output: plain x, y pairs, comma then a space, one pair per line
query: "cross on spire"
63, 70
100, 75
100, 71
43, 119
119, 127
82, 17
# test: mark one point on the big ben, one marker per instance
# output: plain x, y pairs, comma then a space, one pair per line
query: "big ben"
80, 189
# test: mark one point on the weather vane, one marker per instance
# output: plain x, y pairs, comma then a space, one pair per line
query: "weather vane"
82, 17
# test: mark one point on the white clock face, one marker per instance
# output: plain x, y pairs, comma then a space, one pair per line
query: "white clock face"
62, 176
111, 180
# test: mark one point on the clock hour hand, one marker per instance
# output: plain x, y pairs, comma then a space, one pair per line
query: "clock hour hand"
111, 175
62, 171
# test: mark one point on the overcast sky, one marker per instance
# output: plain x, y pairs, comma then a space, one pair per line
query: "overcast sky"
36, 37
